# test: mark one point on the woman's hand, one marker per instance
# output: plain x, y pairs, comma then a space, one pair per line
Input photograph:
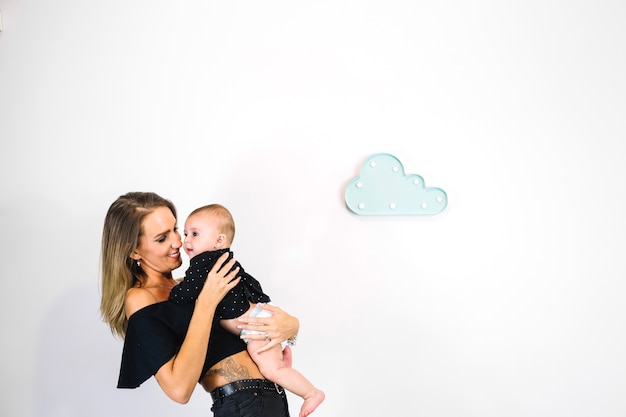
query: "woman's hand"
218, 284
276, 329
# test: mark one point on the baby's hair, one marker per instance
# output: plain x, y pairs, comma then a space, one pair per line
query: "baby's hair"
223, 216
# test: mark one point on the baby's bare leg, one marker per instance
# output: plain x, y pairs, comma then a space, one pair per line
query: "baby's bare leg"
270, 364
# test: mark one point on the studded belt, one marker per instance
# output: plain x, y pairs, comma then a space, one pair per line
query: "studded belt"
244, 384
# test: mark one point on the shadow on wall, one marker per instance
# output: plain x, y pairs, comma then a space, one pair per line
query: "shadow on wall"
77, 365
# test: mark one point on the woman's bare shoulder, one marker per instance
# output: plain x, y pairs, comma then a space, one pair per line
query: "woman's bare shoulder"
136, 299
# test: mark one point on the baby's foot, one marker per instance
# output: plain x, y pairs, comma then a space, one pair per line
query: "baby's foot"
311, 403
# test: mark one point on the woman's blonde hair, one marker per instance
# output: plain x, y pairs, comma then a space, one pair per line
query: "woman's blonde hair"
120, 237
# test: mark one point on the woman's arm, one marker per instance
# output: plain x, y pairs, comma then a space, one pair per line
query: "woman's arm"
179, 376
280, 327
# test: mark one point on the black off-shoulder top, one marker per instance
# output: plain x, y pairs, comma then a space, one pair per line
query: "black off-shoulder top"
155, 334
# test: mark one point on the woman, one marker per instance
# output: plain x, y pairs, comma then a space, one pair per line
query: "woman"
180, 345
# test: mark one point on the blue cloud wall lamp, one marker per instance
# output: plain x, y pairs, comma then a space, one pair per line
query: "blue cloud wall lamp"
382, 188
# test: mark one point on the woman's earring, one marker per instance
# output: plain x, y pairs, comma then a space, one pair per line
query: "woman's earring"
138, 263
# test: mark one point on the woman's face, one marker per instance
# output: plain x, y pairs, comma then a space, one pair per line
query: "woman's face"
159, 246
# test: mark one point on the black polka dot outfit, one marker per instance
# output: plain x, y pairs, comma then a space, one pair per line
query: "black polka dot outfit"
235, 303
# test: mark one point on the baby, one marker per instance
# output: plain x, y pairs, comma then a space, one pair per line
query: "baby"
209, 232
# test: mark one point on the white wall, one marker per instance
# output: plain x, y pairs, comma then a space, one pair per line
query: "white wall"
509, 303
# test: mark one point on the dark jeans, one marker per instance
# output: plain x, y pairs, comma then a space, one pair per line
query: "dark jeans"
253, 403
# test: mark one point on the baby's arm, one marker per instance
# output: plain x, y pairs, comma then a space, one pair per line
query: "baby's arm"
231, 324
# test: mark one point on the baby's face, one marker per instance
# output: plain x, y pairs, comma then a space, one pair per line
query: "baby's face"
201, 234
